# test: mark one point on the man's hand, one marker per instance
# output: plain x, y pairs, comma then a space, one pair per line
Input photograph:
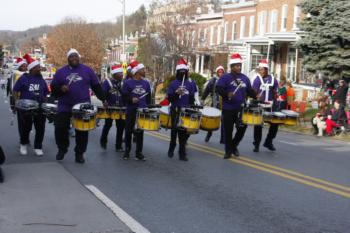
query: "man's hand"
230, 95
105, 104
179, 91
135, 100
64, 88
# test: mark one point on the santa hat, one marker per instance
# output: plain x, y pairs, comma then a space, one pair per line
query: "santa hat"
135, 67
263, 64
31, 62
73, 51
129, 66
117, 69
220, 68
235, 59
20, 61
181, 65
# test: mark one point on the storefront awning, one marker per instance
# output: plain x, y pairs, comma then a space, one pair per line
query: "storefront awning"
283, 37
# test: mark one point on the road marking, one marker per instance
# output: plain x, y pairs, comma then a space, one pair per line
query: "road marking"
119, 212
295, 176
290, 143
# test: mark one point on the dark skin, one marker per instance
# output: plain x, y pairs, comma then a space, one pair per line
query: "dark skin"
118, 76
220, 73
23, 68
263, 71
235, 69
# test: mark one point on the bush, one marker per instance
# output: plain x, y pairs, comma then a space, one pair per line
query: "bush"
199, 79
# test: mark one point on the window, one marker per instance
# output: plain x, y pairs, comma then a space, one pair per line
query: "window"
234, 30
291, 64
251, 25
284, 18
262, 22
225, 32
219, 35
297, 13
193, 37
273, 21
211, 35
242, 28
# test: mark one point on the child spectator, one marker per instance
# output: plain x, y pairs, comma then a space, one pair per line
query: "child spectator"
330, 126
319, 124
282, 95
290, 94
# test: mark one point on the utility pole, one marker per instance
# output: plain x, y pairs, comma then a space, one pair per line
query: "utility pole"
123, 28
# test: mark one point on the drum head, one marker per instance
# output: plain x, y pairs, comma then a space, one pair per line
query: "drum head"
211, 112
165, 110
290, 113
278, 114
27, 104
85, 108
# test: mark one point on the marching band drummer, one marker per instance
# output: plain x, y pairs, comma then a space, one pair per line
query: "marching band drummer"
71, 85
234, 87
136, 94
210, 89
112, 87
266, 86
31, 86
181, 95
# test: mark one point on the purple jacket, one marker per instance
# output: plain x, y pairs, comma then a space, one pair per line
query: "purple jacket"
187, 98
136, 88
31, 87
114, 92
273, 87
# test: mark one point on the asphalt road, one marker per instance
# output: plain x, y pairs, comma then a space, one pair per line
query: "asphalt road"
303, 187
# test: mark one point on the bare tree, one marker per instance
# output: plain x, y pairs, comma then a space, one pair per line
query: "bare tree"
75, 33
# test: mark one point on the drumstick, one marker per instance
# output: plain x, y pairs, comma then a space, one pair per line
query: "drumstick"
236, 89
144, 95
182, 84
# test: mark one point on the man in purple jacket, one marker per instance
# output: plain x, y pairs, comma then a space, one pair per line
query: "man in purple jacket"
71, 85
266, 86
233, 88
112, 87
136, 94
181, 95
31, 86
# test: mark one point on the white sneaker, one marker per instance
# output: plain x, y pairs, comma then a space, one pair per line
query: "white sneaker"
23, 149
39, 152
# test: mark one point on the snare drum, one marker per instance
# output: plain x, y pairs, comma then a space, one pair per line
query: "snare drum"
190, 120
84, 117
148, 119
252, 116
27, 105
211, 118
102, 113
117, 113
49, 109
274, 117
291, 117
165, 119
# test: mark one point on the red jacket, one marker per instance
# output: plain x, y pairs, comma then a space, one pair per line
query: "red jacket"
329, 126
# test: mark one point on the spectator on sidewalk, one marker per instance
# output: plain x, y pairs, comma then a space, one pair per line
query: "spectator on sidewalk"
341, 92
290, 94
331, 126
319, 124
282, 95
339, 115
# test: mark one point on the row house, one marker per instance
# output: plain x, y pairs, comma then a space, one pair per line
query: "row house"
257, 29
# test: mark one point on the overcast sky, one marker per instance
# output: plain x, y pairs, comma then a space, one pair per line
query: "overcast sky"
20, 14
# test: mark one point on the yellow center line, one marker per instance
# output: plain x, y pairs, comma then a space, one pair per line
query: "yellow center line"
311, 181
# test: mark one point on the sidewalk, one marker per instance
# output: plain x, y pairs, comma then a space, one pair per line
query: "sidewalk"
44, 197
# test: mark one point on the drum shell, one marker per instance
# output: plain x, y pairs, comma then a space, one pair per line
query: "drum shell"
274, 119
103, 113
165, 118
211, 119
252, 116
148, 120
117, 113
291, 117
190, 121
83, 120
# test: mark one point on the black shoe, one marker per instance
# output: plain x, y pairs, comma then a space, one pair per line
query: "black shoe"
60, 155
126, 156
227, 156
79, 158
103, 145
140, 157
119, 149
183, 158
269, 146
222, 141
170, 154
1, 176
236, 152
207, 138
256, 147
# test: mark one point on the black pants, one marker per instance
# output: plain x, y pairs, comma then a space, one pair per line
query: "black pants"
62, 126
129, 129
233, 118
26, 121
273, 129
177, 132
120, 125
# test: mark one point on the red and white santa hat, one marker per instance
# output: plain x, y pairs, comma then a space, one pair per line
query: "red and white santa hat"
117, 69
135, 67
263, 64
20, 61
235, 59
220, 68
182, 65
31, 62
